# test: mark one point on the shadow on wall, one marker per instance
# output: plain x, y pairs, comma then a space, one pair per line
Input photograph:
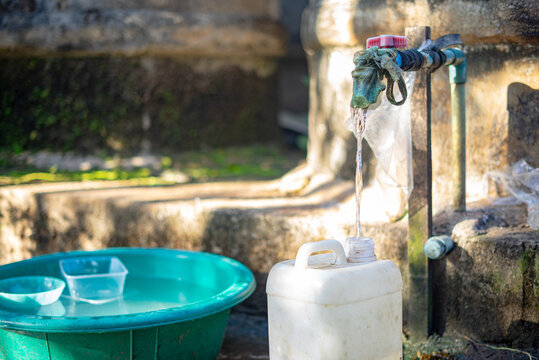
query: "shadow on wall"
471, 299
523, 123
525, 334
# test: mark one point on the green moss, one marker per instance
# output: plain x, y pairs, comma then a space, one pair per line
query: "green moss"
93, 104
250, 162
435, 347
166, 162
140, 176
526, 261
166, 95
496, 282
529, 268
55, 104
416, 255
259, 162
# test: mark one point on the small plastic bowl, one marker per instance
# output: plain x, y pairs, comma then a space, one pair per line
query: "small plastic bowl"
94, 279
30, 291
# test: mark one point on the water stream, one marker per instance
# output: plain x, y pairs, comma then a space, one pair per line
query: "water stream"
360, 117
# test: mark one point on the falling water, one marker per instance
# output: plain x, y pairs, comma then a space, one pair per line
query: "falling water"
360, 116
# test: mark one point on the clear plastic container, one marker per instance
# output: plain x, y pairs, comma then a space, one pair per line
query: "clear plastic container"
30, 291
94, 279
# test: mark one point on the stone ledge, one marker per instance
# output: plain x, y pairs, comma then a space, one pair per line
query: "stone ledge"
336, 23
249, 221
246, 7
488, 287
97, 32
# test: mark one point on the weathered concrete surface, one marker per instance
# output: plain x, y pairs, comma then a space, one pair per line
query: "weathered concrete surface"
488, 287
259, 223
335, 23
133, 105
138, 76
500, 40
501, 96
248, 7
163, 28
251, 222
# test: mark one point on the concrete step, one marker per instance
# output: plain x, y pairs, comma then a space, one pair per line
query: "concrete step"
249, 221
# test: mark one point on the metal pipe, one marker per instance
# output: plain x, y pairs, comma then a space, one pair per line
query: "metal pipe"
452, 57
456, 60
457, 79
437, 247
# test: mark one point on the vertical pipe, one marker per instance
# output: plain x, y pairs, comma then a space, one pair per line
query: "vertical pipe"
457, 78
419, 299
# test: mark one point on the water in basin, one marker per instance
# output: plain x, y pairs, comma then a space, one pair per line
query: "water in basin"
175, 304
140, 295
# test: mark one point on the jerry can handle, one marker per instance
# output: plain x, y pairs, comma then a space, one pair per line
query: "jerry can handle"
302, 258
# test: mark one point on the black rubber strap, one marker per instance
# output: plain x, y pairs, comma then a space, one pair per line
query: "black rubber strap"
411, 60
443, 57
438, 59
402, 88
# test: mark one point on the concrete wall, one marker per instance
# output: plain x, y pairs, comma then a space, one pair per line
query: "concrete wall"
487, 288
152, 76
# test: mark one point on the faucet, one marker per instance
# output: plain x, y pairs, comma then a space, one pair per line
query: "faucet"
384, 57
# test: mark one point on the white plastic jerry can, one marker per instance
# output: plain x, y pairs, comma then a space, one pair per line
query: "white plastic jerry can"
328, 307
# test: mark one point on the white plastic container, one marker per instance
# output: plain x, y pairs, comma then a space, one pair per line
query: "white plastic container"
94, 279
324, 307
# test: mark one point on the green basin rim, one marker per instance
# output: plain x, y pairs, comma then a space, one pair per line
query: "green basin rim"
242, 287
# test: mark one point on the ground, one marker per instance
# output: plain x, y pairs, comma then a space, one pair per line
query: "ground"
247, 338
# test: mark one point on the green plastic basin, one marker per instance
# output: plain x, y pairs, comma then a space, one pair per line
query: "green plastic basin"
175, 305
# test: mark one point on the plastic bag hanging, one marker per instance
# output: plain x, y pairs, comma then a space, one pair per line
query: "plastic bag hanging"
388, 132
523, 185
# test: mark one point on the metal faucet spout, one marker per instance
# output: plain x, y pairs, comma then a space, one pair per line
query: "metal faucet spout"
367, 87
372, 66
376, 63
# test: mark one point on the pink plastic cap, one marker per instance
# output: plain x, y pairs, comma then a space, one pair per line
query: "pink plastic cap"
387, 41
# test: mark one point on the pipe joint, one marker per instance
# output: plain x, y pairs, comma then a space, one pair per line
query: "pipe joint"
458, 73
437, 247
457, 56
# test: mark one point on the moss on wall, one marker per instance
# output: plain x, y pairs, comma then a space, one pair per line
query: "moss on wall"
529, 267
117, 104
